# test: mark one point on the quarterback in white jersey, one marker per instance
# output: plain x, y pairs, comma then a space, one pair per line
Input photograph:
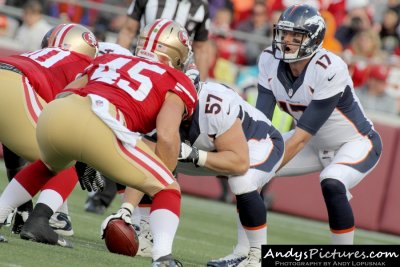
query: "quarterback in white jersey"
231, 137
332, 134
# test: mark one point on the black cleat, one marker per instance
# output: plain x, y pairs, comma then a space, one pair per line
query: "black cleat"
38, 230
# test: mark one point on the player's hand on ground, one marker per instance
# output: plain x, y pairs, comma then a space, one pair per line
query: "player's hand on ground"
123, 214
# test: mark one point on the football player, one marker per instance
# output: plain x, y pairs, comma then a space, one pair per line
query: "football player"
29, 81
227, 136
101, 123
332, 135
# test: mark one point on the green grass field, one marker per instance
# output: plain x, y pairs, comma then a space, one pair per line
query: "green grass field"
207, 230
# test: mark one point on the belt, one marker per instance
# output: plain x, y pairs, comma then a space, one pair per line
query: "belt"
5, 66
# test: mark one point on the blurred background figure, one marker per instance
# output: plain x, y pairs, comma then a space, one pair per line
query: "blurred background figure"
364, 49
373, 95
30, 34
389, 33
358, 18
330, 42
257, 24
8, 26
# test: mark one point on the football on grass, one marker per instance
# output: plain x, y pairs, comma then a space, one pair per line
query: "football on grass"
121, 238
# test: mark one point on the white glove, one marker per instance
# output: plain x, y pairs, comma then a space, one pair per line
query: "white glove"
192, 154
124, 213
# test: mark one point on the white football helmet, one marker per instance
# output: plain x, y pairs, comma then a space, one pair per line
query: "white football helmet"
165, 41
72, 37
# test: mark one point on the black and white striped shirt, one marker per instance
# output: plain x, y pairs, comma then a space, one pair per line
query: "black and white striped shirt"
193, 14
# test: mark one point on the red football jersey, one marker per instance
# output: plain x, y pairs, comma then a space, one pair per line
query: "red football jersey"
49, 70
137, 87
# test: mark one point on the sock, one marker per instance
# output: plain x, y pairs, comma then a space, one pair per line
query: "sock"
341, 219
64, 208
13, 196
50, 198
63, 183
136, 216
243, 245
343, 238
253, 216
164, 221
34, 176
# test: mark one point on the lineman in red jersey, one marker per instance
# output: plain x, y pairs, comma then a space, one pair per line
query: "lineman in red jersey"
28, 82
102, 124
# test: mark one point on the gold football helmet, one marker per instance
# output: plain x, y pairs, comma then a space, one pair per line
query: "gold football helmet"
73, 37
165, 41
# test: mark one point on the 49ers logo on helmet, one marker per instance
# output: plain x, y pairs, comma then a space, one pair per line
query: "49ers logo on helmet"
89, 38
183, 37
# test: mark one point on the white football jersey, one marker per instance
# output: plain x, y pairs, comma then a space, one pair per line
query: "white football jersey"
218, 108
325, 76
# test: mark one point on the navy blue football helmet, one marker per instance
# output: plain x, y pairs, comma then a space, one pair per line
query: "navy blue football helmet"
299, 19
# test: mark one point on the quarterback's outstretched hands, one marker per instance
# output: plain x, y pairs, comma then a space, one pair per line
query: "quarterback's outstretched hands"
89, 178
192, 154
124, 213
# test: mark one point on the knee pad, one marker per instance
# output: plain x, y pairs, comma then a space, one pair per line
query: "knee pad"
339, 209
252, 211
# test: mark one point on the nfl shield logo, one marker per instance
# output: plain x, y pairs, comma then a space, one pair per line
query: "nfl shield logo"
290, 92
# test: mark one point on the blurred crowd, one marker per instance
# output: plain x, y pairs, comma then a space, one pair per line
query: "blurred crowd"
365, 33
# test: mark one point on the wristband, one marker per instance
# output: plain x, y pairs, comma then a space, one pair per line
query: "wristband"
202, 158
127, 206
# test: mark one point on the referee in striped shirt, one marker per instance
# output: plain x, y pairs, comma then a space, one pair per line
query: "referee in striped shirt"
192, 14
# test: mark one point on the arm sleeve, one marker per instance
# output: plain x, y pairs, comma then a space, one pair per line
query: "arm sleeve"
265, 101
317, 113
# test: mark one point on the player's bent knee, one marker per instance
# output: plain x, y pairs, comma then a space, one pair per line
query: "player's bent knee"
331, 187
337, 204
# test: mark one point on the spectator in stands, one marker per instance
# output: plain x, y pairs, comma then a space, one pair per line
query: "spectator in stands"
389, 34
194, 17
8, 26
257, 24
330, 42
29, 35
365, 49
373, 95
358, 18
215, 5
227, 52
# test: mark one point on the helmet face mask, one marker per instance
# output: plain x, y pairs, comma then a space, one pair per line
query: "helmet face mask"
165, 41
299, 33
73, 37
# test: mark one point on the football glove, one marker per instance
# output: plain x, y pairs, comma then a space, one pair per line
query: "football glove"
124, 213
192, 154
89, 178
194, 75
